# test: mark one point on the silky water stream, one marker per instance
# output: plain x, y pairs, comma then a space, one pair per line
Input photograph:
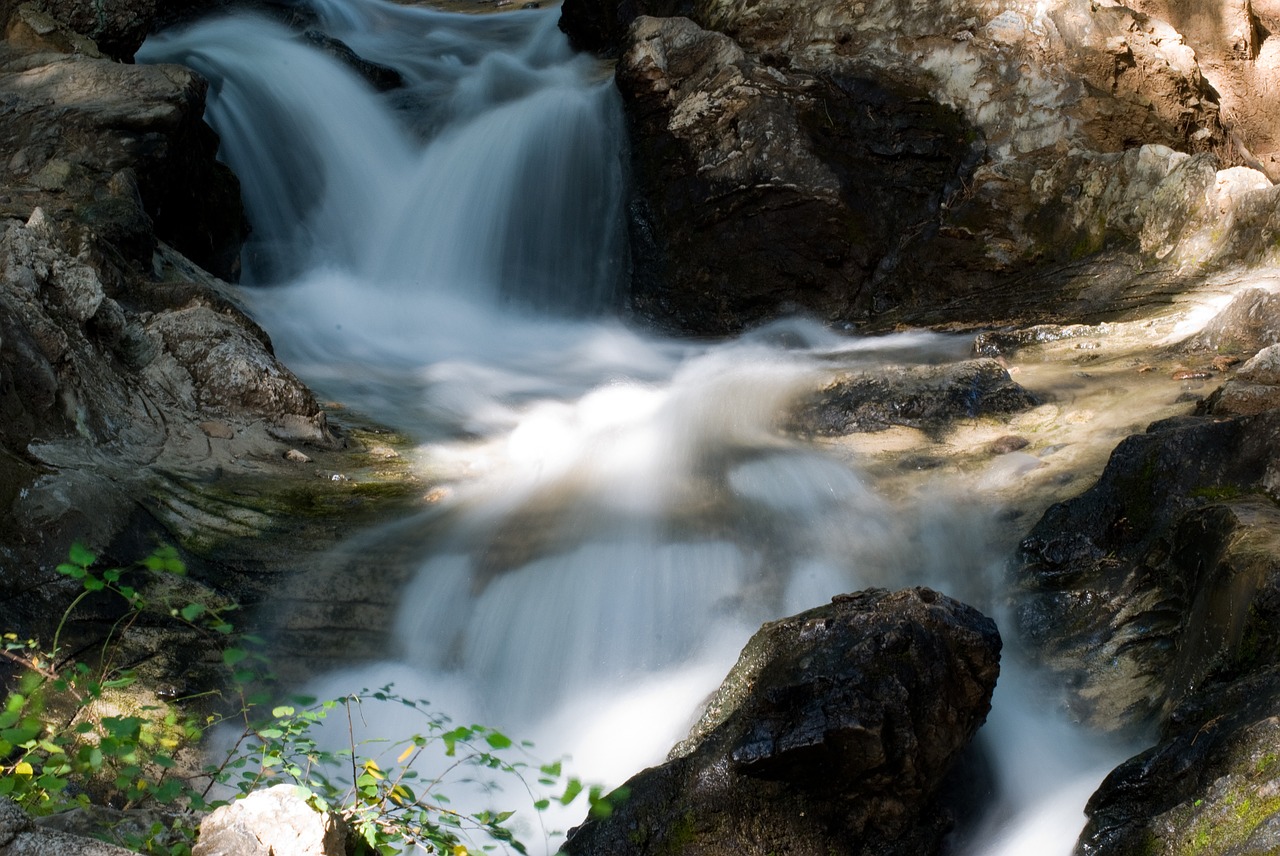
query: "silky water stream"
622, 511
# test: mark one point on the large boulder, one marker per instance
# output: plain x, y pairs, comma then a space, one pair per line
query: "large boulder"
1211, 785
833, 734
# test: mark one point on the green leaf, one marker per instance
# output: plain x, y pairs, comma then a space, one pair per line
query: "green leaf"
498, 740
74, 571
192, 611
231, 656
571, 791
80, 555
92, 583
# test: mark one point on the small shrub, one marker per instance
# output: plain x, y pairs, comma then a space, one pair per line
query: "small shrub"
59, 743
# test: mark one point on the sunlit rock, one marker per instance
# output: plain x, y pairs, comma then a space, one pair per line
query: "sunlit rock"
1164, 574
813, 180
272, 822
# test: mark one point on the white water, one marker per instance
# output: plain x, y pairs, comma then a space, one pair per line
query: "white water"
623, 510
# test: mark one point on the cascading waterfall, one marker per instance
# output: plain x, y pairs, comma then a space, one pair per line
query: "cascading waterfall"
624, 511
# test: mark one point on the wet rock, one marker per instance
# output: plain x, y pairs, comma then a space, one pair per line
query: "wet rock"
1210, 785
996, 343
1249, 323
1008, 443
831, 735
919, 397
274, 822
1163, 574
1255, 388
381, 77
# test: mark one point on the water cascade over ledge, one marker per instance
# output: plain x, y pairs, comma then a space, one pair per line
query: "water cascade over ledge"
622, 510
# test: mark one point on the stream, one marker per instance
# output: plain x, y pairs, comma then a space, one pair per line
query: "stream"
618, 511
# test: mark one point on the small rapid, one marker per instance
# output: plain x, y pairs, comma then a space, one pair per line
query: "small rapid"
622, 510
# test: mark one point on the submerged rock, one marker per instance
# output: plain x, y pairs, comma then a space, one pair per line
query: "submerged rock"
927, 397
832, 734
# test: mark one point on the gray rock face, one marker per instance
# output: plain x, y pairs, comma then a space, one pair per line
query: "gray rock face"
931, 151
128, 143
20, 837
274, 822
831, 735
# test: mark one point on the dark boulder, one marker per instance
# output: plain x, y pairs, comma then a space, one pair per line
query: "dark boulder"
832, 735
600, 25
761, 190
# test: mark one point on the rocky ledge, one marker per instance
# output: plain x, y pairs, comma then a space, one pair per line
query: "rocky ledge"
139, 403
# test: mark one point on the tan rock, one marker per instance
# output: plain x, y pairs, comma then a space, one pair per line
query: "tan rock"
274, 822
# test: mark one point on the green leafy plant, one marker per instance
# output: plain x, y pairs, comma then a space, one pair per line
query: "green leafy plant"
62, 745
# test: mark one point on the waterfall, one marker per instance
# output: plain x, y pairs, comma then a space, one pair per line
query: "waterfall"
623, 509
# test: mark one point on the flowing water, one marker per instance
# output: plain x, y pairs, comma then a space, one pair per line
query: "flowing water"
622, 510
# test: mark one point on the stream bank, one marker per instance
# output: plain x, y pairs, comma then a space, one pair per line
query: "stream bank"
1091, 244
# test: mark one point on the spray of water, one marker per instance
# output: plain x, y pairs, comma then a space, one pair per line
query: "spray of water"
625, 509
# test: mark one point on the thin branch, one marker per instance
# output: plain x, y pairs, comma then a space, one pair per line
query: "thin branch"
28, 664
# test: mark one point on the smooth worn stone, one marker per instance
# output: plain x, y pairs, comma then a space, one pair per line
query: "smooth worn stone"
273, 822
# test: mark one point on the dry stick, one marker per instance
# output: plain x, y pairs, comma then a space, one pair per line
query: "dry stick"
28, 664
